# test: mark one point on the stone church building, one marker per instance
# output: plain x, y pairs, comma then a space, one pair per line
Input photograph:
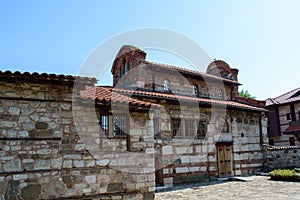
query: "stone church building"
63, 137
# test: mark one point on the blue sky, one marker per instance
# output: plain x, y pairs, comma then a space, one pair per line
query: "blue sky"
260, 38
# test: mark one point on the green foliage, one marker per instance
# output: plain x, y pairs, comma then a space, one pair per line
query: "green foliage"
246, 94
285, 175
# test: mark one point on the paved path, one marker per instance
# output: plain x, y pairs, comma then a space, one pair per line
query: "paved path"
260, 188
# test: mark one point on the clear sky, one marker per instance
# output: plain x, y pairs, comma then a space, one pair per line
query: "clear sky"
261, 38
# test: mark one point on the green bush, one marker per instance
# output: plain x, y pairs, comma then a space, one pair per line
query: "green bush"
285, 175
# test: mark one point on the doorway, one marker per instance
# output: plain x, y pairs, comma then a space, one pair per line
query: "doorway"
224, 151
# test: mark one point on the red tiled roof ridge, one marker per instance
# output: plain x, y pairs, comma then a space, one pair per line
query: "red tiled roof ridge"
51, 76
198, 99
289, 92
285, 98
108, 94
189, 71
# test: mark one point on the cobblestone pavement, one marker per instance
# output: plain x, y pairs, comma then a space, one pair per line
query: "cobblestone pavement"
260, 187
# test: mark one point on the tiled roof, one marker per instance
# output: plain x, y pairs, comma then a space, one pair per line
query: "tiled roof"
44, 76
293, 128
288, 97
108, 94
105, 94
188, 71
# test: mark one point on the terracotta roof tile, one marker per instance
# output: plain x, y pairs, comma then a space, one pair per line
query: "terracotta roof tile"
188, 71
45, 76
293, 128
108, 93
288, 97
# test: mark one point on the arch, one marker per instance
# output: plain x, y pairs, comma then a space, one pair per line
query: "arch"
166, 85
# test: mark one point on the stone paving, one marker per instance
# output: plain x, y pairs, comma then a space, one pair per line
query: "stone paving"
260, 187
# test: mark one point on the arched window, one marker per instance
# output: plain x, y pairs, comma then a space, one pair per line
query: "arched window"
194, 90
166, 85
222, 125
218, 93
225, 128
127, 66
122, 70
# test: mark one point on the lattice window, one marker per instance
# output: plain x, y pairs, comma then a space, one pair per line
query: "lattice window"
120, 125
104, 124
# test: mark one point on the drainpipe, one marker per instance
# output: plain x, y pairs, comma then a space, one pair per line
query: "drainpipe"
260, 127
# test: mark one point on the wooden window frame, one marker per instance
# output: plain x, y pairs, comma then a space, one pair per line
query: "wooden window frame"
189, 128
288, 116
201, 130
177, 129
156, 127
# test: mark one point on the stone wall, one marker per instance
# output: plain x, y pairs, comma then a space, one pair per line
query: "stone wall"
48, 149
196, 160
283, 157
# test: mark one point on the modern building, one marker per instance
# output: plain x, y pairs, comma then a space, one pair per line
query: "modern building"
284, 119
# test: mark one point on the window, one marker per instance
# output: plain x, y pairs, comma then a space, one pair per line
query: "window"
120, 125
223, 125
194, 90
201, 130
225, 128
192, 128
166, 85
189, 128
288, 116
219, 93
104, 124
122, 70
176, 128
127, 67
156, 127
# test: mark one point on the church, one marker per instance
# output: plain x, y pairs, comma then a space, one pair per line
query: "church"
65, 137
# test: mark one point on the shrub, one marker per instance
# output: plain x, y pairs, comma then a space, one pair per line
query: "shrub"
285, 175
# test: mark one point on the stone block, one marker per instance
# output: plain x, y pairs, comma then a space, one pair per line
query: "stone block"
115, 187
13, 165
54, 188
12, 190
167, 150
31, 192
182, 170
18, 177
149, 196
27, 111
41, 125
69, 179
14, 110
90, 179
42, 164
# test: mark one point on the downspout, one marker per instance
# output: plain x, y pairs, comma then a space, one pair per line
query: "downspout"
260, 127
263, 150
